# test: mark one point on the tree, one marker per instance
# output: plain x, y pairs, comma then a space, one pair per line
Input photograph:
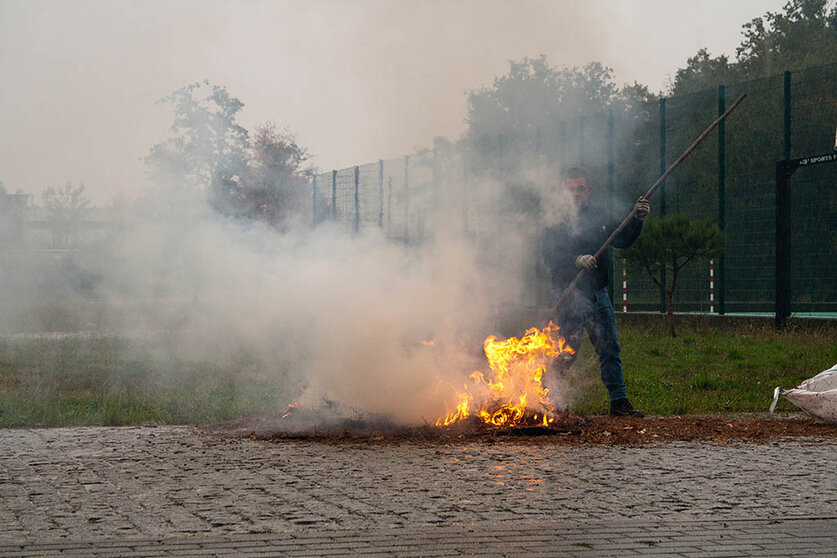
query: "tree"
804, 34
67, 208
533, 92
633, 98
673, 242
260, 178
208, 149
277, 180
535, 101
703, 72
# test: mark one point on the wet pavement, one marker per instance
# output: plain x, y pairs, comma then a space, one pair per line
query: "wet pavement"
182, 491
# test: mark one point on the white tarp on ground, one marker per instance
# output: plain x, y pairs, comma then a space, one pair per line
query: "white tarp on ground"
816, 396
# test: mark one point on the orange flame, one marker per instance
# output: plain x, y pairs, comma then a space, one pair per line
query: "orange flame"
518, 365
290, 409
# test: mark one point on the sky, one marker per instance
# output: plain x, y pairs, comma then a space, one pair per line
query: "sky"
354, 80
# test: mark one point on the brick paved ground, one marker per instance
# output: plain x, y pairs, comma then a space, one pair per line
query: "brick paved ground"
685, 539
176, 491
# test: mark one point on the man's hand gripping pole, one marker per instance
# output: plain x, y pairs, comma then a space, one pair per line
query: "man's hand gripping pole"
647, 196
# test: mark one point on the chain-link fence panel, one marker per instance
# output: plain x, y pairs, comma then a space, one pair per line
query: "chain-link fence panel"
483, 185
813, 199
636, 167
754, 142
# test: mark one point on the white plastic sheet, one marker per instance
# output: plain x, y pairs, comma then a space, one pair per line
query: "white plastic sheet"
816, 396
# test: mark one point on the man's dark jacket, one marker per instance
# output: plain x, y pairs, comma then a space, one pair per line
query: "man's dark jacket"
563, 243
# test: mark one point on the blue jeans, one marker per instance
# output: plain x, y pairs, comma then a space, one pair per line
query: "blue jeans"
580, 312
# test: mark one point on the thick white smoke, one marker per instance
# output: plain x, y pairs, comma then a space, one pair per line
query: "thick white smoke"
377, 327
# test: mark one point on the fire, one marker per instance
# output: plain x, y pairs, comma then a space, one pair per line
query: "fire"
290, 409
517, 366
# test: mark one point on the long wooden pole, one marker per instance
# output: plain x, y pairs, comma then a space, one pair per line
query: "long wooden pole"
648, 195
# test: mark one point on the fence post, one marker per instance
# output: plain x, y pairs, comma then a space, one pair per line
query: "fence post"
357, 198
334, 195
624, 286
406, 199
562, 134
783, 200
381, 193
787, 117
720, 275
610, 172
466, 194
712, 286
500, 149
662, 192
435, 181
389, 207
314, 202
662, 155
783, 249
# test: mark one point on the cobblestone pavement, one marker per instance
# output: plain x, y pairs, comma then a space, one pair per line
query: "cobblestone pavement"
179, 491
684, 539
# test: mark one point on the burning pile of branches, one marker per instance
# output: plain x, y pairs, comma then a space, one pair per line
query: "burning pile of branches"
509, 397
514, 394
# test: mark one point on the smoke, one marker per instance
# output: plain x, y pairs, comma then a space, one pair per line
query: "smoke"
331, 315
364, 324
375, 327
368, 325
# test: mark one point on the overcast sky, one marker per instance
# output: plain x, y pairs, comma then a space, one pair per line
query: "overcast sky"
355, 80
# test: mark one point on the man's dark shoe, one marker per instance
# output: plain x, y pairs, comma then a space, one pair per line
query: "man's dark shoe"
623, 408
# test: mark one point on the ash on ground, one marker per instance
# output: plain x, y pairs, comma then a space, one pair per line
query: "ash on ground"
570, 430
332, 422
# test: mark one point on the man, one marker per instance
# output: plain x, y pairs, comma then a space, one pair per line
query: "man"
568, 248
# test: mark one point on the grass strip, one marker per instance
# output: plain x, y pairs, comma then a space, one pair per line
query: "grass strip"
110, 381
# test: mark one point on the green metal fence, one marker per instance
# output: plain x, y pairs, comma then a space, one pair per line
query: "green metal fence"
731, 178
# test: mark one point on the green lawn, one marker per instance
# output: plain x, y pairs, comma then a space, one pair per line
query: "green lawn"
705, 372
116, 382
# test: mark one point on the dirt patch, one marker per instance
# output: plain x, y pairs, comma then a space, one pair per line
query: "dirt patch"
571, 430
